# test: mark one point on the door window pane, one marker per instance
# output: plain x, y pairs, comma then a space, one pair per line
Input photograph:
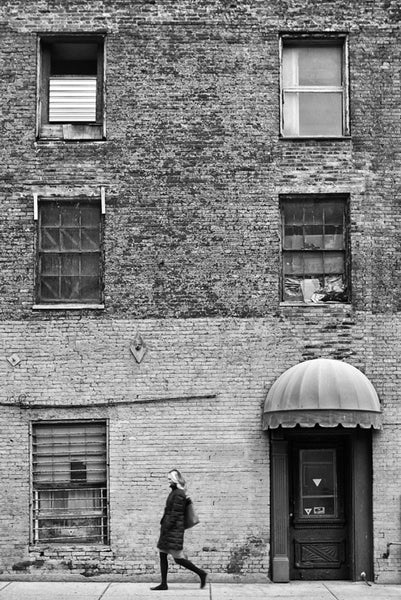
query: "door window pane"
318, 483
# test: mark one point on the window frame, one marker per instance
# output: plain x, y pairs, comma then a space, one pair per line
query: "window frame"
69, 130
321, 197
291, 39
65, 303
104, 486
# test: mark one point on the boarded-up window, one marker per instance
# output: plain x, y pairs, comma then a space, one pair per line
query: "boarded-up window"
313, 88
314, 249
71, 87
69, 265
69, 477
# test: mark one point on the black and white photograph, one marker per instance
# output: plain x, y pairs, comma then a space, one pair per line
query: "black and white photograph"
200, 299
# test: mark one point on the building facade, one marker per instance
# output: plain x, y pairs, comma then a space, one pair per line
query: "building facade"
198, 197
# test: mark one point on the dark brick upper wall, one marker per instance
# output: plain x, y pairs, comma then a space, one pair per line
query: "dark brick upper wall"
193, 164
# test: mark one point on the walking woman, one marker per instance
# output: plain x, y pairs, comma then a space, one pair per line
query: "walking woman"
171, 540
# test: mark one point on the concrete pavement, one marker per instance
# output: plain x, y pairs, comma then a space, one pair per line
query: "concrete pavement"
321, 590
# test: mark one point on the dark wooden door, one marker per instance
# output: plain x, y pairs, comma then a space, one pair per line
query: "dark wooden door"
319, 538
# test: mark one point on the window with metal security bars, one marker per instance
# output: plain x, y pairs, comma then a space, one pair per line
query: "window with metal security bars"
71, 87
69, 251
315, 254
69, 480
314, 87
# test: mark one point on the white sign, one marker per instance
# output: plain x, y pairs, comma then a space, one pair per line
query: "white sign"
316, 482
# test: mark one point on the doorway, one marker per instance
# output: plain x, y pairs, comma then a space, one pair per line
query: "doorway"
319, 510
321, 504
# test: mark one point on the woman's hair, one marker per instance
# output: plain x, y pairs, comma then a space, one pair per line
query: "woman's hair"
177, 478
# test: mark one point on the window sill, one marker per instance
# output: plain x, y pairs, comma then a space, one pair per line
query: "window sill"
68, 547
72, 132
68, 307
311, 138
47, 141
313, 305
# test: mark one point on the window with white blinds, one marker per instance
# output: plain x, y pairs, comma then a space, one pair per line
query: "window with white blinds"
69, 476
72, 99
71, 87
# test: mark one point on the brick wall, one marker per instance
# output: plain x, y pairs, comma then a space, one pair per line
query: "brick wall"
193, 167
193, 164
194, 402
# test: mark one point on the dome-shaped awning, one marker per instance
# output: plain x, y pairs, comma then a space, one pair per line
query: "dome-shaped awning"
322, 392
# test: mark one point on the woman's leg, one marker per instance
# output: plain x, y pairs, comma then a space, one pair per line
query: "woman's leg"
163, 572
187, 564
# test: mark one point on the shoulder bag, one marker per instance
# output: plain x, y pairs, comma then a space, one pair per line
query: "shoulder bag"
190, 517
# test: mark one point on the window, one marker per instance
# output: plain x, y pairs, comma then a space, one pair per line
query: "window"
314, 249
71, 88
69, 251
318, 493
69, 483
314, 87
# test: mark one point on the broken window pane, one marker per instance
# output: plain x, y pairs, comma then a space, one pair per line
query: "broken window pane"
314, 251
315, 289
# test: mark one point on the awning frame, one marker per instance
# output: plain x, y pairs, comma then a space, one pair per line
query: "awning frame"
324, 418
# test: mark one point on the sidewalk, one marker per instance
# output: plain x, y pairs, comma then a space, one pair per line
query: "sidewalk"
23, 590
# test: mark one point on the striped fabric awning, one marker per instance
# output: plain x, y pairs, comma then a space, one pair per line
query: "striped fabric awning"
323, 392
72, 99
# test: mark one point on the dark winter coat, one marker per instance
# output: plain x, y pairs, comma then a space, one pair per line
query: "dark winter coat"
172, 523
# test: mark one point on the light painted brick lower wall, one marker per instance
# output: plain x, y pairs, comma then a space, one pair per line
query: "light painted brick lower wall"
195, 402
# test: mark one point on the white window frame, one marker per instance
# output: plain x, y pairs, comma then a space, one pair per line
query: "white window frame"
328, 40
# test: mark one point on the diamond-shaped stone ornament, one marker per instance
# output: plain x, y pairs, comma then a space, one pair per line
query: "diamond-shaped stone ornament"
138, 348
14, 360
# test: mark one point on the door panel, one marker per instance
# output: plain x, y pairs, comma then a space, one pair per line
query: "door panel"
318, 520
